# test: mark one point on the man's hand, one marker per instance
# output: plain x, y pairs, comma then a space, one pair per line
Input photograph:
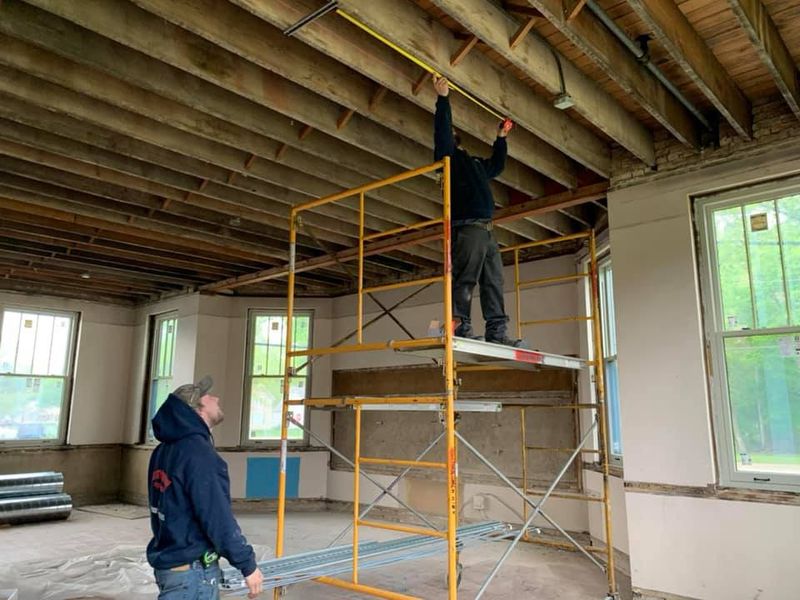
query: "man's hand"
505, 126
255, 583
441, 85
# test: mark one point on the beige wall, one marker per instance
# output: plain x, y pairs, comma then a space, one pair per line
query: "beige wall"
212, 338
702, 548
102, 365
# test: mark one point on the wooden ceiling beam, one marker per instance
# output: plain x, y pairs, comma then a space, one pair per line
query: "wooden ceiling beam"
767, 40
18, 54
107, 197
95, 249
74, 277
111, 222
412, 29
250, 193
84, 205
540, 205
536, 58
347, 45
178, 281
165, 62
65, 291
377, 62
153, 195
594, 39
116, 240
27, 88
240, 32
287, 57
674, 31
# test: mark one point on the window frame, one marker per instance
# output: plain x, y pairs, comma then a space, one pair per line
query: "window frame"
153, 348
68, 377
252, 315
715, 333
604, 261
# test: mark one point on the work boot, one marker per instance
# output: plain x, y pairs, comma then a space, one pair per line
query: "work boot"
507, 341
464, 330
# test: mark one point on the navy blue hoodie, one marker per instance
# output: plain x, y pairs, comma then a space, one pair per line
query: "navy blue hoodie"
189, 493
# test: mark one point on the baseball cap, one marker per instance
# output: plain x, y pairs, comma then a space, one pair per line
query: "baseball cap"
191, 393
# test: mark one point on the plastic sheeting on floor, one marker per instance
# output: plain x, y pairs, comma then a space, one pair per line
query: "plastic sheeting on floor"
121, 573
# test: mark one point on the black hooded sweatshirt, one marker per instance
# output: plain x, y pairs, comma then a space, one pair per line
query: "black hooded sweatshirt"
470, 176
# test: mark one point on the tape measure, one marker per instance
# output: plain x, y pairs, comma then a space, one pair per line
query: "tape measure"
423, 65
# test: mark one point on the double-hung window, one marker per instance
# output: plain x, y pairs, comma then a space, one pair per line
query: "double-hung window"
266, 353
750, 245
608, 321
162, 362
36, 358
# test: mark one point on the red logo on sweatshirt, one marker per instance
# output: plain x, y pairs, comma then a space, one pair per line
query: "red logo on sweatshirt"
161, 480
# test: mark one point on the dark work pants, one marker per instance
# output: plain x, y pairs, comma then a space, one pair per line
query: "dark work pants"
476, 260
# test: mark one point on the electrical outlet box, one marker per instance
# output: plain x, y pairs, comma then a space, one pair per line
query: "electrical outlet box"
479, 502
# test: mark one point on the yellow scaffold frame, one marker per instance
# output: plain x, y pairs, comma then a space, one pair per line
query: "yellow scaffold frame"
444, 343
598, 407
447, 399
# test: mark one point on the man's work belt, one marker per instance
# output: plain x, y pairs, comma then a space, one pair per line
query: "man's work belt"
209, 558
486, 224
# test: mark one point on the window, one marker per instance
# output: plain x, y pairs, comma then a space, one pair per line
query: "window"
266, 354
751, 261
36, 353
162, 362
608, 321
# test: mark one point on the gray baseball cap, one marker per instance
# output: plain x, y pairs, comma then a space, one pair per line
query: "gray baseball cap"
192, 392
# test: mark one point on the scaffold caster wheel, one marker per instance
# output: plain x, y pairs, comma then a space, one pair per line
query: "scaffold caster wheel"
459, 569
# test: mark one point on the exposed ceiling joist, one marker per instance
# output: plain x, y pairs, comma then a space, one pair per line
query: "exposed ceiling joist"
536, 58
413, 30
674, 31
597, 42
767, 40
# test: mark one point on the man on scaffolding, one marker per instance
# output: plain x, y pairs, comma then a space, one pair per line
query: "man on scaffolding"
475, 254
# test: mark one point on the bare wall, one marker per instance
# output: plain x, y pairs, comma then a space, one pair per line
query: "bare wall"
702, 548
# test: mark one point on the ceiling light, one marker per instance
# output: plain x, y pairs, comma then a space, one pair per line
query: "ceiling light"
85, 276
563, 101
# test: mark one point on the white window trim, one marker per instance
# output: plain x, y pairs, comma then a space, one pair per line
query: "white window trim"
245, 440
152, 348
613, 458
729, 476
69, 376
604, 255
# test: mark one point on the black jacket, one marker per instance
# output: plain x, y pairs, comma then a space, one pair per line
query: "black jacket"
470, 176
189, 493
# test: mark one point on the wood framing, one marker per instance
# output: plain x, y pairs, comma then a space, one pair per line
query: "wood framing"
595, 40
767, 40
536, 58
676, 34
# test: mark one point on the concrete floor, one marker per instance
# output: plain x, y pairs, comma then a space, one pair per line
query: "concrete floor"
530, 572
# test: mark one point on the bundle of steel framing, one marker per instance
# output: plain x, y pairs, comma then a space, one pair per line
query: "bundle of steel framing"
328, 562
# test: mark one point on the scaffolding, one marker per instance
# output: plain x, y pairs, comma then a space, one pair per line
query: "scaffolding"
447, 351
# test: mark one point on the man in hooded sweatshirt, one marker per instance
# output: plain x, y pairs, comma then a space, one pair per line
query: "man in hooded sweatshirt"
475, 255
190, 503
